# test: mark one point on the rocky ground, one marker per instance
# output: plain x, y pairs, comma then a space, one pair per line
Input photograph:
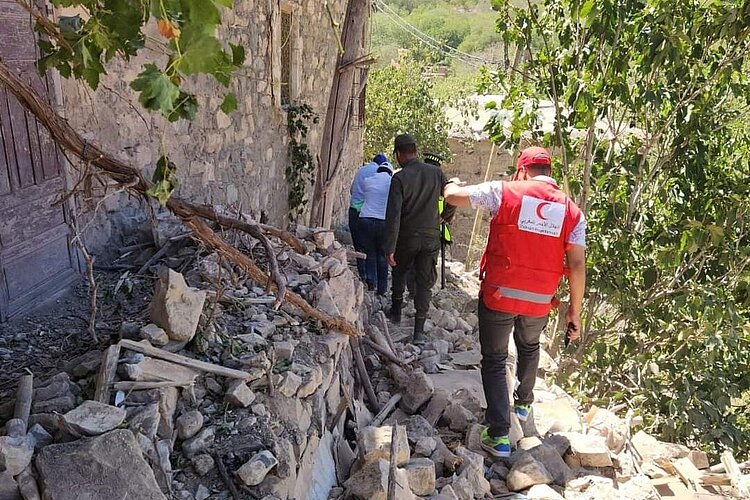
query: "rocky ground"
212, 393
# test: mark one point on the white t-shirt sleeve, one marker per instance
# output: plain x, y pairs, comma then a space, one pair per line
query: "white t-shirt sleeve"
487, 195
578, 234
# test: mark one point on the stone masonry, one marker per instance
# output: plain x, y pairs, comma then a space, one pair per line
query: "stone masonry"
240, 158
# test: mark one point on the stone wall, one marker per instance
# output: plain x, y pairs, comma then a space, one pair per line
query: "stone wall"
236, 159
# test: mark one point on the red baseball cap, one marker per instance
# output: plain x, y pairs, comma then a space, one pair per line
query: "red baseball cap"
533, 156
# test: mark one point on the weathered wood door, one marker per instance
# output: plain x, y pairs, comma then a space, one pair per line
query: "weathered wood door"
36, 259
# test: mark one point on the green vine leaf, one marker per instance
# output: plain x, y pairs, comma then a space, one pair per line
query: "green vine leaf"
163, 180
157, 91
229, 104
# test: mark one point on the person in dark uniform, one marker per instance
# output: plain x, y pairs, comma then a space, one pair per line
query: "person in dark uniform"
412, 235
447, 212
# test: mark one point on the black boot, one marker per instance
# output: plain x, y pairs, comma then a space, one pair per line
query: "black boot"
395, 313
419, 337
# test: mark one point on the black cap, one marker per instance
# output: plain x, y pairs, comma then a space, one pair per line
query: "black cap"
404, 140
433, 159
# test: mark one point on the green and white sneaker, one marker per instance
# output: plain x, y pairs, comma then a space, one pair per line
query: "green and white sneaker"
496, 446
522, 412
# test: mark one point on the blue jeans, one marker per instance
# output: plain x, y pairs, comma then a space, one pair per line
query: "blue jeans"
376, 266
356, 233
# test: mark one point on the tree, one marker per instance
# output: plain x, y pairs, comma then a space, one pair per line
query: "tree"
399, 101
650, 105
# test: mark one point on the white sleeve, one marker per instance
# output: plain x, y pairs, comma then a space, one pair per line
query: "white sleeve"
578, 234
487, 195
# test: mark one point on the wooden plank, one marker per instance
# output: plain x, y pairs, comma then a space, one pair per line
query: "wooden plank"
128, 385
24, 396
689, 473
716, 480
149, 350
740, 483
106, 375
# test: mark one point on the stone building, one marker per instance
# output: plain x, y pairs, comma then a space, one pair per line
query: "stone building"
238, 159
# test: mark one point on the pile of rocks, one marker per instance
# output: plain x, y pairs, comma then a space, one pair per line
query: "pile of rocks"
220, 395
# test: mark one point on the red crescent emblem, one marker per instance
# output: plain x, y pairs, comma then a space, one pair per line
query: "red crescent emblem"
539, 209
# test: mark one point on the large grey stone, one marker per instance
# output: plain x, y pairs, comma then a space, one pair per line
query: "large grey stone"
417, 427
239, 394
104, 467
425, 446
144, 419
288, 383
92, 418
176, 307
199, 443
651, 448
189, 423
203, 464
8, 487
526, 472
310, 383
588, 450
154, 334
16, 453
371, 483
553, 462
255, 470
555, 416
375, 444
41, 437
168, 397
470, 478
604, 423
418, 390
458, 417
421, 474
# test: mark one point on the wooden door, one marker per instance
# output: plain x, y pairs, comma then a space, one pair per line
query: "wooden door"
36, 259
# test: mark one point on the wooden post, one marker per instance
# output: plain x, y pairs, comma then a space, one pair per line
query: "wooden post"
338, 114
106, 375
24, 395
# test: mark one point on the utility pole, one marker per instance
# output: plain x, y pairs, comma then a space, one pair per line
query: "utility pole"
339, 112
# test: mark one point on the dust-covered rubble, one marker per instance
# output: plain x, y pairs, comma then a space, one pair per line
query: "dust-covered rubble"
217, 395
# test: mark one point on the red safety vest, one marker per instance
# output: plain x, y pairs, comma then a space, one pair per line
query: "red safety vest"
523, 262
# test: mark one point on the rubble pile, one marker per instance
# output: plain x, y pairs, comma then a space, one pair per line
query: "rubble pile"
218, 395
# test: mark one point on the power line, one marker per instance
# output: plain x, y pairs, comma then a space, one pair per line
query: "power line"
428, 42
428, 39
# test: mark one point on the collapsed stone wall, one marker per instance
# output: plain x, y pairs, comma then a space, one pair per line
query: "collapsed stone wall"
222, 159
224, 396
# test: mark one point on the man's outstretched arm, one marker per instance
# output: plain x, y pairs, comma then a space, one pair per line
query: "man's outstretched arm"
457, 193
576, 257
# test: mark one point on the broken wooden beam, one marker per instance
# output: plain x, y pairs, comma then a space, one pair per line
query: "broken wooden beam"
386, 353
107, 372
740, 482
128, 385
24, 395
387, 409
203, 366
364, 378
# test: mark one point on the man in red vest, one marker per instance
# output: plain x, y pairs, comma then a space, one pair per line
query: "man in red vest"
535, 231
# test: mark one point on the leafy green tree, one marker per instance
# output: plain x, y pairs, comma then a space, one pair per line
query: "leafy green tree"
80, 45
399, 101
650, 104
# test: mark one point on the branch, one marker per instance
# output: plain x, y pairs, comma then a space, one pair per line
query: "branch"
66, 137
49, 27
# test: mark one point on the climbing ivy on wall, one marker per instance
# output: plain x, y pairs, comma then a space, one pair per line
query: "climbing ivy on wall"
81, 45
301, 166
